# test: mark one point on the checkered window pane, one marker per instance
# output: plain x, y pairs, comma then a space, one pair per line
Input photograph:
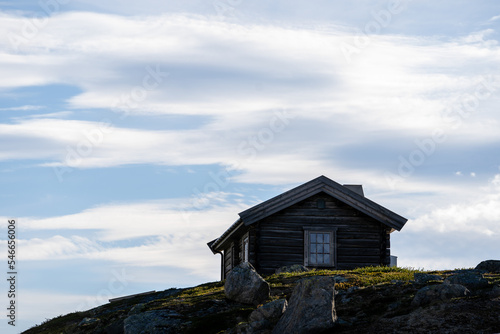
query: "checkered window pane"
319, 248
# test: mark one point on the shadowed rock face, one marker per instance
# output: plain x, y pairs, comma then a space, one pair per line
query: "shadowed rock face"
245, 285
489, 266
265, 317
311, 307
423, 278
152, 322
442, 292
471, 279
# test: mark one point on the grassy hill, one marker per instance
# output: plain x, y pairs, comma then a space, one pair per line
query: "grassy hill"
368, 300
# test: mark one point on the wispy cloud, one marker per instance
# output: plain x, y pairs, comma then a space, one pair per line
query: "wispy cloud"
480, 215
22, 108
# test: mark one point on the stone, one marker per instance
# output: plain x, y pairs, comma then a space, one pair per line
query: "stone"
489, 266
88, 322
272, 310
435, 293
294, 268
137, 309
244, 285
423, 278
311, 307
266, 316
115, 327
471, 279
153, 322
495, 292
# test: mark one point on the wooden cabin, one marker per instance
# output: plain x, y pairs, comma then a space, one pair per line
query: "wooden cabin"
319, 224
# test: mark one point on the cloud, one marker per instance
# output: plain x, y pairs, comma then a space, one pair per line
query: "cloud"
394, 90
22, 108
56, 247
399, 77
168, 233
478, 216
460, 234
403, 87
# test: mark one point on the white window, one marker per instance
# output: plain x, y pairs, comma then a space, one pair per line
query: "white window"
319, 248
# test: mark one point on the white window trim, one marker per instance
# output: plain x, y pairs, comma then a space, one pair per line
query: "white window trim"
333, 246
245, 250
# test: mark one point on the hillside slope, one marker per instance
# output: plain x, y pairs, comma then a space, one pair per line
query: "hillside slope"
367, 300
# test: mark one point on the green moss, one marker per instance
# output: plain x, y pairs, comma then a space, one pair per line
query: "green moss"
493, 278
190, 297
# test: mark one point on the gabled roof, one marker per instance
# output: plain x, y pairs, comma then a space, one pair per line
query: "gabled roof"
350, 195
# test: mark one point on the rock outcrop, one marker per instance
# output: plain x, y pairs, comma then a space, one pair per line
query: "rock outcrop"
442, 292
244, 285
489, 266
153, 322
265, 317
311, 307
471, 279
423, 278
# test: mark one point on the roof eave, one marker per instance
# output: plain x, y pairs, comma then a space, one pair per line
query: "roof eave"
216, 245
332, 188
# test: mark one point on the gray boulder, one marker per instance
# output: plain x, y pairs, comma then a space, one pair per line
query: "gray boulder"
435, 293
469, 278
311, 307
153, 322
266, 316
495, 292
294, 268
244, 285
138, 308
489, 266
423, 278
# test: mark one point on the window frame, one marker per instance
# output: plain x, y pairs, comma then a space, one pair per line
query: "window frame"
333, 246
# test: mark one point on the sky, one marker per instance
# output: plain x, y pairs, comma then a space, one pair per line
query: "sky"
132, 133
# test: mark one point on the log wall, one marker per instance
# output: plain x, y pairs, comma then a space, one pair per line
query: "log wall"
279, 238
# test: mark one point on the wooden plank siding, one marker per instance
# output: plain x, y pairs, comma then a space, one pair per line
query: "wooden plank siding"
279, 238
228, 260
233, 254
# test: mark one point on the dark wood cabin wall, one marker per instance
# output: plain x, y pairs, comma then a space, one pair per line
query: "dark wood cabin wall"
232, 256
385, 245
228, 265
361, 240
231, 260
252, 247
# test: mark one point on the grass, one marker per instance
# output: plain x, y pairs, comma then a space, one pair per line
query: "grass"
375, 275
361, 277
60, 322
191, 296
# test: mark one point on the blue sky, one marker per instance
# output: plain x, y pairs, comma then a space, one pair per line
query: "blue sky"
133, 133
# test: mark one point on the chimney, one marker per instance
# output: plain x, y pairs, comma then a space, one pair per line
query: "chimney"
357, 188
